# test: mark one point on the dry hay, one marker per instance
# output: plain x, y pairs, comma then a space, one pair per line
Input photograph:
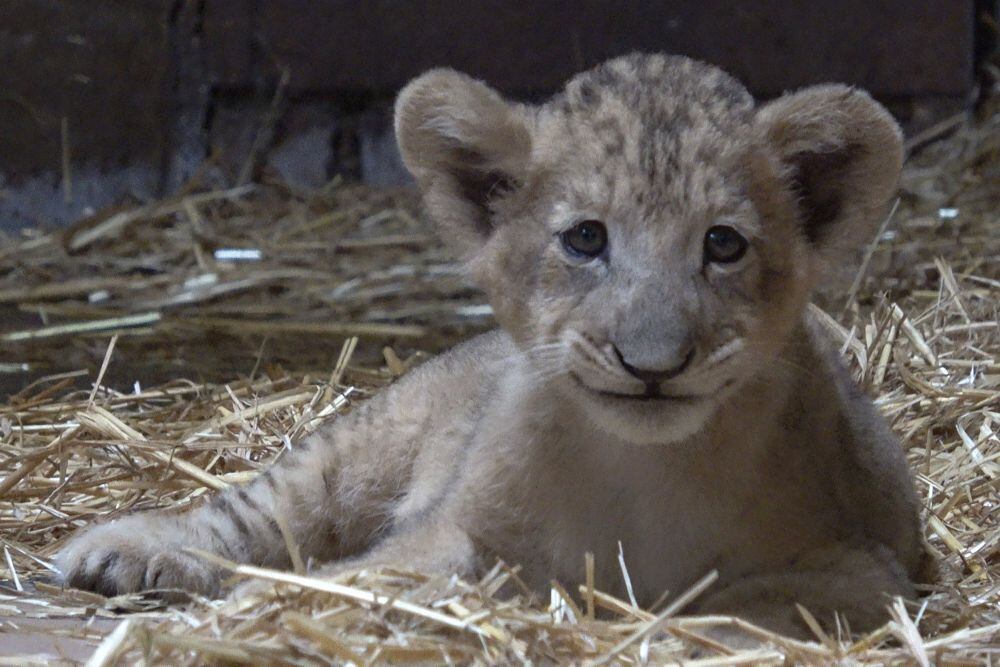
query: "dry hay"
920, 331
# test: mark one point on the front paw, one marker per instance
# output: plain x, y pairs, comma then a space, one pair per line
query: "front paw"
126, 557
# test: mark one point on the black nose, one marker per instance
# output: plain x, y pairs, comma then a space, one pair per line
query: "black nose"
651, 376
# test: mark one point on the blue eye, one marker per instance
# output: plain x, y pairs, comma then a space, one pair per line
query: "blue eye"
585, 239
724, 245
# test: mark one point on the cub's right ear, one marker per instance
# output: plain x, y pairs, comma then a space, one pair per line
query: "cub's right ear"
466, 146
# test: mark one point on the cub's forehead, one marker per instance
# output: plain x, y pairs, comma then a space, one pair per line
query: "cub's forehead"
656, 129
648, 99
657, 86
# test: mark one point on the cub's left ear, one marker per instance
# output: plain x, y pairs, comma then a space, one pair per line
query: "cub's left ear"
841, 154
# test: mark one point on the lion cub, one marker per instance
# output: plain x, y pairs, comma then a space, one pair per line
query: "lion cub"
648, 240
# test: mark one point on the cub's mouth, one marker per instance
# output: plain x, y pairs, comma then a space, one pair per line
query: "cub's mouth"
652, 393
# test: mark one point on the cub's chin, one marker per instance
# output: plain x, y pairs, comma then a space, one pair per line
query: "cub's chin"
641, 420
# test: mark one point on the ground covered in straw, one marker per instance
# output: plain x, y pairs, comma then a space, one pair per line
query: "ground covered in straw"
281, 309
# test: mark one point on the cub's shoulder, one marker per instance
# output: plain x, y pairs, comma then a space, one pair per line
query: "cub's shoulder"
454, 382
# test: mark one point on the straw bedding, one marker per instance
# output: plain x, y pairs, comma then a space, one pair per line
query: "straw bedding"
281, 309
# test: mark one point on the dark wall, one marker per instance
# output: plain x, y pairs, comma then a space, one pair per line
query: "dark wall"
101, 65
891, 47
147, 89
86, 84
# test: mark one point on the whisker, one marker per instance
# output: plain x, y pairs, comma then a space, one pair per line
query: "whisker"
531, 355
778, 359
725, 351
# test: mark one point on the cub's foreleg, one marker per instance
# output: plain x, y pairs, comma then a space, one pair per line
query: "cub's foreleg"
336, 493
429, 547
856, 582
147, 550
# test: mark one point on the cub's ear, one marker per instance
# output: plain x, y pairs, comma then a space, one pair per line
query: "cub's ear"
841, 155
466, 146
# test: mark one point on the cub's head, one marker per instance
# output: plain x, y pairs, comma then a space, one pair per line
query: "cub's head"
650, 236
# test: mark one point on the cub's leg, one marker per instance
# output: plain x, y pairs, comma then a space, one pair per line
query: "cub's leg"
336, 492
430, 547
859, 584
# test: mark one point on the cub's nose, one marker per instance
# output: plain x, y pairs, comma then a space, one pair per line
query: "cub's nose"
651, 376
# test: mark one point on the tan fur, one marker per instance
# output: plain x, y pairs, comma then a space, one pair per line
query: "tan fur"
768, 465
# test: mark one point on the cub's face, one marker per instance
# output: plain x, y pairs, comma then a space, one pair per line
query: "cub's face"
649, 237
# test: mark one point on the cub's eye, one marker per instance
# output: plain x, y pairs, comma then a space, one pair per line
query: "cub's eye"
724, 245
588, 238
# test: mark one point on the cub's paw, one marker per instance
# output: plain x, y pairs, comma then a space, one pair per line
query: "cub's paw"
126, 557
